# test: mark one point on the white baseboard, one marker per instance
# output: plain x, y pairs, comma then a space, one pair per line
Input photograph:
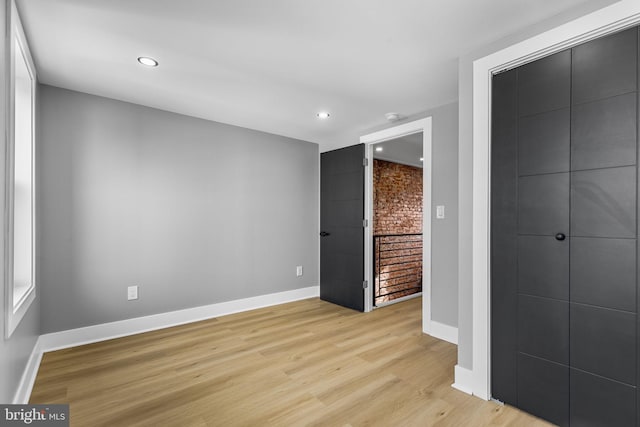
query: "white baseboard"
28, 376
463, 378
121, 328
443, 332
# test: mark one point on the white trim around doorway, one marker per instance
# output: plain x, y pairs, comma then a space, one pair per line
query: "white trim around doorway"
617, 16
424, 126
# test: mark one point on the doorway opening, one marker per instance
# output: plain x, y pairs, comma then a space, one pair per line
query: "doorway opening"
397, 219
422, 127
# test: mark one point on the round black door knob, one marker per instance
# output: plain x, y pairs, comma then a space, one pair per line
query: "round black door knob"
560, 236
324, 233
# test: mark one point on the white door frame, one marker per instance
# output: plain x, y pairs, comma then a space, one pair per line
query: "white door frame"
424, 126
624, 13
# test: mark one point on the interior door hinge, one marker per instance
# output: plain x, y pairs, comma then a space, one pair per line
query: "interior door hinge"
365, 284
365, 162
365, 223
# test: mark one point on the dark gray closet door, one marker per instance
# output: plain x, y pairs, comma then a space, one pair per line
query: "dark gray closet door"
342, 232
543, 178
603, 283
504, 240
564, 235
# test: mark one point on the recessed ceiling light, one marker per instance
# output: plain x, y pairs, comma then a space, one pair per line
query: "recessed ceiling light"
422, 159
378, 149
323, 115
149, 62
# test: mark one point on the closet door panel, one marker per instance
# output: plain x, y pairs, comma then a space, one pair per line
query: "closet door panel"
504, 243
604, 133
543, 268
543, 143
597, 401
603, 203
545, 85
543, 328
605, 67
543, 389
603, 342
543, 204
603, 272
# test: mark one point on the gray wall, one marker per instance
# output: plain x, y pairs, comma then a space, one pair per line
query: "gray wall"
444, 244
14, 352
194, 212
465, 168
444, 239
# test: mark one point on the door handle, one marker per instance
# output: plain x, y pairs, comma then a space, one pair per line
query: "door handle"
560, 236
324, 234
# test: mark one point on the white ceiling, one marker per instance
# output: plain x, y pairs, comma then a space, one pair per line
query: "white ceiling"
406, 150
271, 65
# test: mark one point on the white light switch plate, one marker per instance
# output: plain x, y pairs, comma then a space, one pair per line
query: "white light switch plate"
440, 212
299, 271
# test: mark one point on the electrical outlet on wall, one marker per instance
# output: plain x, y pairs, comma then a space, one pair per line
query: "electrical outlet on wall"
299, 271
132, 292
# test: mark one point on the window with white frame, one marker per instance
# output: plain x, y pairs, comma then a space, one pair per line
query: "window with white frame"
20, 182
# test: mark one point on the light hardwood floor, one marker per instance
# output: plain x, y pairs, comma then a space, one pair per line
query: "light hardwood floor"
303, 363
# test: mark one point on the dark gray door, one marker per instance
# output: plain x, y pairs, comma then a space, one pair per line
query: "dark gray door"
341, 225
564, 236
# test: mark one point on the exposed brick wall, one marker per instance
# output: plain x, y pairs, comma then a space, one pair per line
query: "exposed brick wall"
397, 198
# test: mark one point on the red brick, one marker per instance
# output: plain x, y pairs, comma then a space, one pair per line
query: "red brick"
397, 201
